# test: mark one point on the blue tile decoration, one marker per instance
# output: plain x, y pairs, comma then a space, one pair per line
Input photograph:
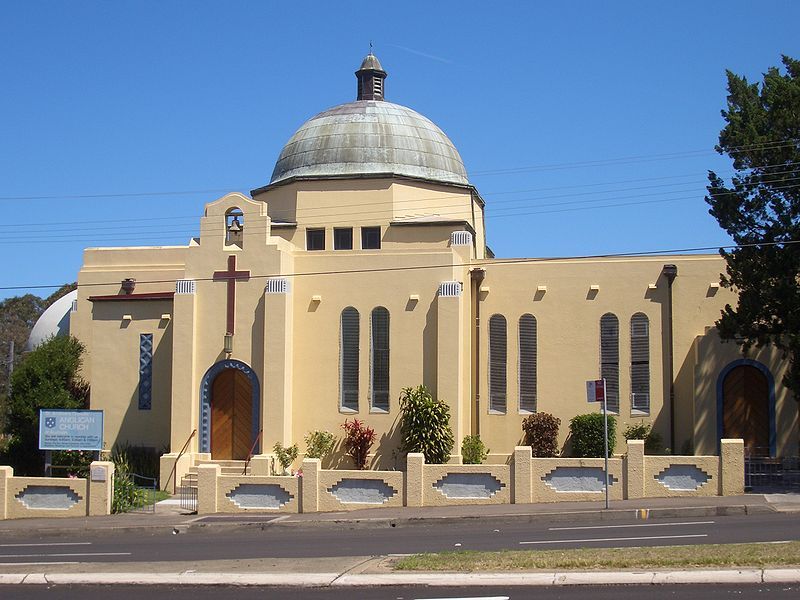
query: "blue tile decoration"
48, 497
683, 478
259, 495
145, 371
362, 491
469, 485
577, 479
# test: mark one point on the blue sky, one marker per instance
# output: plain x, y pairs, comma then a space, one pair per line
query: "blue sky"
588, 127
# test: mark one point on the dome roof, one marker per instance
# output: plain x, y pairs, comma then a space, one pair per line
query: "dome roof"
370, 137
53, 322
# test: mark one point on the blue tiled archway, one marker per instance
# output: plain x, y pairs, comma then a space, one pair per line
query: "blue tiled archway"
205, 400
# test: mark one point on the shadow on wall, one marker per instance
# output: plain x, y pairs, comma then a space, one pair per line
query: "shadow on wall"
384, 453
149, 427
430, 346
388, 456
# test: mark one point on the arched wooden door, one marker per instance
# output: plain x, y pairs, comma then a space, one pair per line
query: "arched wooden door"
745, 408
231, 415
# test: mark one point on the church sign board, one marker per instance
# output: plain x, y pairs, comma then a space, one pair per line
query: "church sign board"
70, 429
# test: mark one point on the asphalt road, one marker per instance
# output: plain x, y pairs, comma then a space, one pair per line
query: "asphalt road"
292, 541
684, 592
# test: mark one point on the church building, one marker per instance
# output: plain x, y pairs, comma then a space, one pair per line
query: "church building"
362, 268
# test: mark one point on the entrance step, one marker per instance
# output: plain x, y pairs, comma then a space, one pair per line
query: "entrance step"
187, 490
227, 467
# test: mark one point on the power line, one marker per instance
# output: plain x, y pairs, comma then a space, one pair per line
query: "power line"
45, 227
602, 162
449, 265
511, 211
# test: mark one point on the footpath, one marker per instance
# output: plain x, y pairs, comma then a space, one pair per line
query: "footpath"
377, 570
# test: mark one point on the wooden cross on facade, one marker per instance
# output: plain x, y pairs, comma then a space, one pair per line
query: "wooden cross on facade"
231, 276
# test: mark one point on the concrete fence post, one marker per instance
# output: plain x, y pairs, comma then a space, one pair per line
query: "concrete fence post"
731, 467
261, 464
522, 468
6, 473
309, 485
100, 488
207, 484
634, 470
415, 466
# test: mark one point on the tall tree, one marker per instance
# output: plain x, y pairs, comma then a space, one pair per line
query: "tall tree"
760, 209
47, 378
17, 317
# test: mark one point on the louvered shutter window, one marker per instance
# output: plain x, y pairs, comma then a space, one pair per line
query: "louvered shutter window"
348, 359
640, 363
379, 358
609, 359
527, 363
498, 354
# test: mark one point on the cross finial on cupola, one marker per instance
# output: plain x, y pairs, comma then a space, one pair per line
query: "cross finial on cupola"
370, 78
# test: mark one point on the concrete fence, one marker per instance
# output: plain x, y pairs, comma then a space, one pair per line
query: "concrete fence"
22, 497
524, 480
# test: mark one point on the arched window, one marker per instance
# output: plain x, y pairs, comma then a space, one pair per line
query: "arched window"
527, 364
498, 354
640, 363
379, 359
348, 359
234, 227
609, 359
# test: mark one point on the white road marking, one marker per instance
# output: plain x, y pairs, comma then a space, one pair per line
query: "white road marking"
51, 544
471, 598
66, 554
632, 525
623, 539
55, 562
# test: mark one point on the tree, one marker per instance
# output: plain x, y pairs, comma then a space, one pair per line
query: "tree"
17, 317
425, 425
760, 210
46, 378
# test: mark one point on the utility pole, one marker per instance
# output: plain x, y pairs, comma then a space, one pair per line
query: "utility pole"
10, 363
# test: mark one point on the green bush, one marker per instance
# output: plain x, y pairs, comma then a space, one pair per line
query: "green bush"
425, 425
142, 460
653, 443
586, 432
47, 378
541, 434
473, 450
319, 443
358, 439
286, 456
127, 495
71, 463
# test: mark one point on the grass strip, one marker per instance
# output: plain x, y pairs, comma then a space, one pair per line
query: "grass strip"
597, 559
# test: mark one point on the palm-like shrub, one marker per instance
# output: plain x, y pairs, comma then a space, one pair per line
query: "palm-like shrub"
425, 425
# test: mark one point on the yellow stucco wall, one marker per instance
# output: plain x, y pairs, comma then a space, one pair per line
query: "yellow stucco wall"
291, 341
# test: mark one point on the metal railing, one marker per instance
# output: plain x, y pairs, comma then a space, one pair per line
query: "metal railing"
146, 493
762, 471
175, 465
252, 449
188, 497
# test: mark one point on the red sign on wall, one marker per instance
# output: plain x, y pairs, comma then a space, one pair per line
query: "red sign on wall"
596, 390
